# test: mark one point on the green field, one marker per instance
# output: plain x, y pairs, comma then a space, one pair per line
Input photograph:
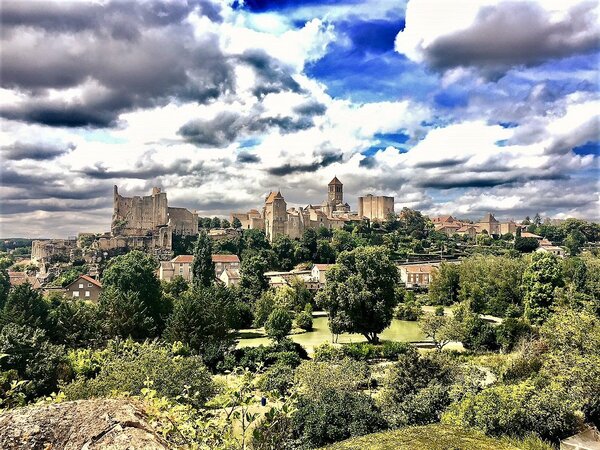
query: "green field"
429, 437
399, 330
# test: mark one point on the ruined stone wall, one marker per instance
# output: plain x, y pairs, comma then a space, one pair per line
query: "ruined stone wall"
138, 216
46, 250
183, 221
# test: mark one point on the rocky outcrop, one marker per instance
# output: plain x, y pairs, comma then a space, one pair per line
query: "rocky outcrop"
109, 424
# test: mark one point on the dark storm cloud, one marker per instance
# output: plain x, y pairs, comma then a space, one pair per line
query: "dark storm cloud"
368, 162
144, 170
311, 109
247, 158
474, 180
36, 151
272, 76
121, 56
287, 169
442, 163
513, 33
227, 126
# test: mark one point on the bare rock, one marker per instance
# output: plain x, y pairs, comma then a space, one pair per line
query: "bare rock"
109, 424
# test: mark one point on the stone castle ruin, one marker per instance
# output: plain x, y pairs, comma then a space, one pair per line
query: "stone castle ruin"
138, 223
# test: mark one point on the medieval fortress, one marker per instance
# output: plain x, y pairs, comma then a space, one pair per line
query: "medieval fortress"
276, 219
148, 223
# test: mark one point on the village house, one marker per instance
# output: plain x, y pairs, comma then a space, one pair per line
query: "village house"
225, 262
84, 288
416, 275
230, 277
19, 278
318, 272
278, 279
182, 266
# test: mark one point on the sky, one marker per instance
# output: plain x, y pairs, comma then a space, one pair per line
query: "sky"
459, 107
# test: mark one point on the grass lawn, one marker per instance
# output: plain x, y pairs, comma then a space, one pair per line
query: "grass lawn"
399, 330
429, 437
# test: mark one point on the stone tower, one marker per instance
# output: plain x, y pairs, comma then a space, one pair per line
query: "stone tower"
275, 215
336, 192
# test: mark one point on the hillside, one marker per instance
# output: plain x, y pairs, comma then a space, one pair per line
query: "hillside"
429, 437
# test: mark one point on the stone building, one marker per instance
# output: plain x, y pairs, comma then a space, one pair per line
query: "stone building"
489, 224
147, 223
375, 207
277, 219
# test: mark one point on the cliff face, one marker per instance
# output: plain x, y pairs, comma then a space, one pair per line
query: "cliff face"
85, 424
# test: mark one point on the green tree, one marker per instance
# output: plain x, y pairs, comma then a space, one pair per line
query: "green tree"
203, 267
574, 242
28, 351
25, 306
285, 250
441, 329
325, 252
4, 286
215, 222
74, 323
444, 287
416, 389
526, 244
308, 246
279, 324
202, 319
225, 223
235, 223
126, 314
262, 308
541, 278
252, 277
360, 293
343, 241
134, 276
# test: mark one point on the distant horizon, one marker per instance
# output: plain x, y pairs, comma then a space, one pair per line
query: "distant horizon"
448, 107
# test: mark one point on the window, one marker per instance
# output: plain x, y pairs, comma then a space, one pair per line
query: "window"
89, 284
87, 293
75, 293
80, 285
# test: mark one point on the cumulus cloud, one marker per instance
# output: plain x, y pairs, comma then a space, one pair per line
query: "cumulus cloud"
495, 36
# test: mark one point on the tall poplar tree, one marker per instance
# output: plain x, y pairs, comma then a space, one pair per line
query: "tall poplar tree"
203, 268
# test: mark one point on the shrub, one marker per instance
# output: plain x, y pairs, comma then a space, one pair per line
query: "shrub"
333, 416
278, 379
408, 311
392, 350
416, 389
127, 369
327, 352
304, 320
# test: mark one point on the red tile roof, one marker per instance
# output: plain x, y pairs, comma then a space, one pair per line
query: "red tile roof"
183, 259
225, 259
86, 278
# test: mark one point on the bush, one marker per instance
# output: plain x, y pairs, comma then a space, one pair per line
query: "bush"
285, 352
128, 366
408, 311
416, 389
333, 416
304, 320
278, 379
327, 352
392, 350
